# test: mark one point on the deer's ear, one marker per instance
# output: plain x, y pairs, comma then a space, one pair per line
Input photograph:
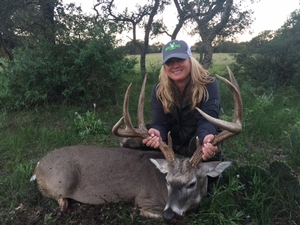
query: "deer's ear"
215, 170
161, 164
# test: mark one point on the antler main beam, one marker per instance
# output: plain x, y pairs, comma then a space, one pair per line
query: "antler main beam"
229, 128
129, 130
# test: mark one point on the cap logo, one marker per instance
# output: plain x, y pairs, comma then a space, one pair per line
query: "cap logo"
172, 46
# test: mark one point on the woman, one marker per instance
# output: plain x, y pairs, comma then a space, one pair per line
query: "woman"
183, 85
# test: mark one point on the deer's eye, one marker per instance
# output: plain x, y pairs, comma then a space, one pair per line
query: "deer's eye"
191, 185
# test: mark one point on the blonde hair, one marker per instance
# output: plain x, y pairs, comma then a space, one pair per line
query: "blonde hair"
169, 95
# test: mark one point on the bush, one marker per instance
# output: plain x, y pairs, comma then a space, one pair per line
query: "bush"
77, 72
272, 59
88, 124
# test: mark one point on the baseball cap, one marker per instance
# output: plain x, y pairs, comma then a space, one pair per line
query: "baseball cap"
175, 49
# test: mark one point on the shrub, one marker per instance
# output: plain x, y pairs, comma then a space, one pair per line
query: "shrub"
273, 59
88, 124
79, 72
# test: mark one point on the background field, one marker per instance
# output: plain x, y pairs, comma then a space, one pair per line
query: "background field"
220, 61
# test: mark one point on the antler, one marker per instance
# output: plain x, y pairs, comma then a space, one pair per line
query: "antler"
229, 128
141, 131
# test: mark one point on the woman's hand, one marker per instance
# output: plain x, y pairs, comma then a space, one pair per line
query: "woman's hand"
153, 140
208, 149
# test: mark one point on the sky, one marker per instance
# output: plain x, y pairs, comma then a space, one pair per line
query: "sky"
268, 15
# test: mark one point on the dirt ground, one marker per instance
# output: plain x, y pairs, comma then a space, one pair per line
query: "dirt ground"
78, 214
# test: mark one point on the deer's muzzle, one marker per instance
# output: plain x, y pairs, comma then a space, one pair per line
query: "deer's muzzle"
170, 216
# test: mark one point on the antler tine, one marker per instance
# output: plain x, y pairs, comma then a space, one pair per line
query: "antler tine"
197, 156
229, 128
141, 131
140, 112
232, 79
236, 125
167, 150
129, 130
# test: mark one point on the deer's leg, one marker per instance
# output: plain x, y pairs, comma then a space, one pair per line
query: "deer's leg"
146, 213
132, 142
63, 204
149, 214
147, 206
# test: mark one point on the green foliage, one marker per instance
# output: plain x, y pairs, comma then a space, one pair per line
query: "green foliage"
295, 136
272, 59
220, 207
132, 48
254, 122
19, 190
3, 79
226, 47
88, 124
292, 135
83, 64
250, 195
79, 72
269, 124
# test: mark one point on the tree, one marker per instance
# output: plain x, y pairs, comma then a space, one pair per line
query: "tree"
82, 64
262, 38
132, 49
8, 38
156, 47
272, 58
22, 20
182, 19
214, 18
142, 17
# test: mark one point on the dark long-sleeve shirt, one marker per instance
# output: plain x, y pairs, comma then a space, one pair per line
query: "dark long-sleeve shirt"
184, 122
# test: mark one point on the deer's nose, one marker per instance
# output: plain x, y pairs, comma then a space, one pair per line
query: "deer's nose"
169, 215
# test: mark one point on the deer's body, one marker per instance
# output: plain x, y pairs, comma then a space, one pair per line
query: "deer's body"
95, 175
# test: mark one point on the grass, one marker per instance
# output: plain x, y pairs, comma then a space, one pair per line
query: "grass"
261, 188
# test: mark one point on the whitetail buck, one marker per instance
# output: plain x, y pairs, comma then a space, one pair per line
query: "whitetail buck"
95, 175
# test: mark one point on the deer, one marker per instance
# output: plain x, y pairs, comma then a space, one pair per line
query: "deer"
160, 184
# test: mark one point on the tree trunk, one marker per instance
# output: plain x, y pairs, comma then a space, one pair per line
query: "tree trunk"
177, 29
47, 11
206, 54
147, 34
143, 62
6, 50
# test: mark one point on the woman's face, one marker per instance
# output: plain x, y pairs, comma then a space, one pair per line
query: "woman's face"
178, 69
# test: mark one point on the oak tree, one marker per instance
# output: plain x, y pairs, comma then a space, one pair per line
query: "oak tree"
213, 18
143, 16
